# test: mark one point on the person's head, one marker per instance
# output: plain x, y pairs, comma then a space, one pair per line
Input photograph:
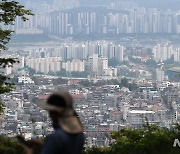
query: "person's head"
57, 103
62, 113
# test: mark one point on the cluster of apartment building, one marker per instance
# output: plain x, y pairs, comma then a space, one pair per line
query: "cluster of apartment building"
163, 52
81, 50
123, 19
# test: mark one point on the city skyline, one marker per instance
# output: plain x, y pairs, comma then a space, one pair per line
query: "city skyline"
129, 19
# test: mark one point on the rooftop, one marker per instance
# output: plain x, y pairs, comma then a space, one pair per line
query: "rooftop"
141, 111
175, 69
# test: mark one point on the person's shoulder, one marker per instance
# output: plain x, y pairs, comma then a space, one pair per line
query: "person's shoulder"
62, 136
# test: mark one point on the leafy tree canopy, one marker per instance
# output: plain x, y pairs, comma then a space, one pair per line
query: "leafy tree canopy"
113, 62
148, 140
9, 11
125, 83
10, 146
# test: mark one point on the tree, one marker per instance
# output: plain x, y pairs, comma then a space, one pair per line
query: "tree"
31, 71
1, 106
51, 73
125, 83
134, 60
10, 146
113, 82
86, 83
169, 61
147, 140
113, 62
62, 73
9, 10
132, 86
79, 74
151, 63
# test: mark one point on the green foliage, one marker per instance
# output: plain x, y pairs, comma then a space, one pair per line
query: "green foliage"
31, 71
124, 63
113, 82
148, 140
5, 85
113, 62
151, 63
9, 10
124, 82
9, 146
98, 150
130, 86
168, 64
62, 73
79, 74
1, 106
134, 60
87, 83
169, 61
154, 74
51, 73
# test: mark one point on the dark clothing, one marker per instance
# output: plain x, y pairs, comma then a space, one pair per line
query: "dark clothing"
62, 143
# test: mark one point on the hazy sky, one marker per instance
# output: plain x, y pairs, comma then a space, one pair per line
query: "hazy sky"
171, 4
148, 3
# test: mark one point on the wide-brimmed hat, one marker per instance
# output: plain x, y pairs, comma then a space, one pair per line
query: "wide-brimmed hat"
62, 102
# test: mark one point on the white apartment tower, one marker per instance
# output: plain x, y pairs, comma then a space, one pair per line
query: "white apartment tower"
74, 66
177, 55
45, 65
163, 52
116, 52
98, 65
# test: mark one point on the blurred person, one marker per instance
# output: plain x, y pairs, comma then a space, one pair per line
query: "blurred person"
68, 135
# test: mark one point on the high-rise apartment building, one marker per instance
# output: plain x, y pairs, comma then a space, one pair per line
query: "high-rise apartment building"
163, 52
82, 22
98, 66
45, 65
74, 66
116, 52
177, 55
